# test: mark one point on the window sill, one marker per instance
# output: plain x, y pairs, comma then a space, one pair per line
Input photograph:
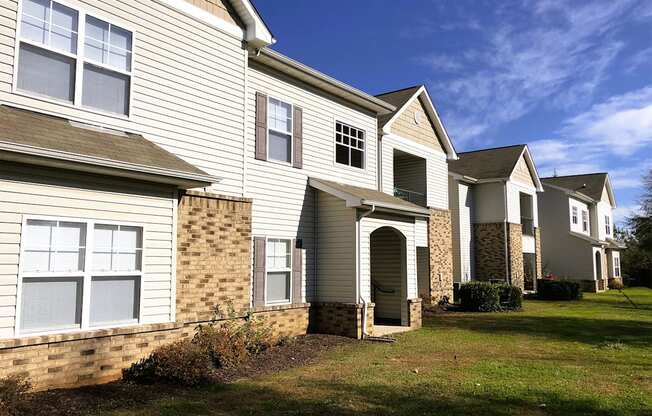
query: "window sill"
281, 307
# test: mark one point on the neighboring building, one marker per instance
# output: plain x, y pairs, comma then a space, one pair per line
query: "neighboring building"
493, 203
414, 150
158, 161
576, 215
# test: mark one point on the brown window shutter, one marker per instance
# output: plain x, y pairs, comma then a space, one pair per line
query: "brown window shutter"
261, 126
297, 266
297, 134
259, 271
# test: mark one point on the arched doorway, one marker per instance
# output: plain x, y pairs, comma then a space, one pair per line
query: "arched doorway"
598, 266
388, 276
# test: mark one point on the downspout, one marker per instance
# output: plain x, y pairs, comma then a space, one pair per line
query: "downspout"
359, 267
508, 277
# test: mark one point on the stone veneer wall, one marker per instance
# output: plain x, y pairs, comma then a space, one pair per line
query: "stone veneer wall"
489, 245
515, 247
343, 319
213, 254
415, 312
537, 240
440, 241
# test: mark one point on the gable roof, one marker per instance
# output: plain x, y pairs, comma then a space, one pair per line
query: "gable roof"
590, 185
30, 137
356, 196
495, 163
401, 99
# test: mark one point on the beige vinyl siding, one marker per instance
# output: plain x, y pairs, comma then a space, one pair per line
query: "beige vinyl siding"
406, 227
422, 133
521, 173
605, 196
514, 191
188, 85
283, 202
489, 202
421, 232
436, 169
336, 250
56, 193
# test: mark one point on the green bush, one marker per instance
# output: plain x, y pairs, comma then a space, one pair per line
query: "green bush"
480, 297
511, 297
558, 290
183, 362
13, 392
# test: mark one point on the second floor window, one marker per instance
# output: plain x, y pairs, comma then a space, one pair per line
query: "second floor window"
574, 215
349, 145
54, 62
585, 221
607, 224
617, 266
279, 131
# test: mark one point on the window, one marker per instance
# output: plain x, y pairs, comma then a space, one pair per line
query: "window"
53, 62
574, 215
279, 131
349, 145
585, 221
279, 271
607, 224
57, 266
617, 266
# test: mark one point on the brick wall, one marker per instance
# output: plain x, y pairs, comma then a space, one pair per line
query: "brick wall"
489, 244
213, 255
415, 309
441, 255
337, 318
537, 239
515, 247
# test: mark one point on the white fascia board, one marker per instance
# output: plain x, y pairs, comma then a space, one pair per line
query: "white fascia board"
462, 178
32, 152
203, 16
533, 168
257, 34
610, 191
432, 114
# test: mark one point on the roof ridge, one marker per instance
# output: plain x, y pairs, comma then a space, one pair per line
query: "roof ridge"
399, 90
493, 148
576, 175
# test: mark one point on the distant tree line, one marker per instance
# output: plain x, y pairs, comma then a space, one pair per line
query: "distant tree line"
636, 259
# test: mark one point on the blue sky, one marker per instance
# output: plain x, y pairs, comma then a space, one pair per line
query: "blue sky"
573, 79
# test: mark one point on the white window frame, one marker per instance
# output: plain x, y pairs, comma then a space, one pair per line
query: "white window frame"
86, 275
574, 215
585, 221
607, 224
79, 58
616, 266
335, 144
284, 270
290, 133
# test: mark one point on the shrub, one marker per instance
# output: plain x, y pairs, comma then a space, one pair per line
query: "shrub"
183, 362
225, 347
13, 392
616, 284
511, 297
558, 290
480, 297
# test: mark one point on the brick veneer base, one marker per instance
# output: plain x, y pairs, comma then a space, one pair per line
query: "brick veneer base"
338, 319
414, 307
440, 241
489, 252
91, 357
594, 286
516, 264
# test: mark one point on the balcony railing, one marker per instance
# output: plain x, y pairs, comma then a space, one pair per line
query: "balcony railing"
527, 225
411, 196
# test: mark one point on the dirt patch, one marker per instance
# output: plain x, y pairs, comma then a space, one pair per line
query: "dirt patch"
293, 352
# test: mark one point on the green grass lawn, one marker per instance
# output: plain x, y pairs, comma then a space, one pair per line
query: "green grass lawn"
590, 357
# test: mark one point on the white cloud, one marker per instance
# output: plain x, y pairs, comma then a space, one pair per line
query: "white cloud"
622, 213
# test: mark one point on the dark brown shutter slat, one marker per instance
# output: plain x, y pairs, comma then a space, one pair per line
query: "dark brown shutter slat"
259, 271
298, 138
261, 126
297, 266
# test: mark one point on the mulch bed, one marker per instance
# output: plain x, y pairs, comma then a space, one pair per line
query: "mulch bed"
295, 352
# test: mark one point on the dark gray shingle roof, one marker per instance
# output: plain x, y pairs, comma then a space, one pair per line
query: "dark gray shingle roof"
594, 182
488, 163
28, 128
397, 99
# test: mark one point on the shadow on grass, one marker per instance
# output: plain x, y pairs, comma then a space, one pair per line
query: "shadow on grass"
573, 329
333, 398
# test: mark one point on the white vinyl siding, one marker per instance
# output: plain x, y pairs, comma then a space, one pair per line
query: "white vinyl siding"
284, 204
406, 227
436, 169
581, 208
188, 85
421, 232
604, 213
514, 202
461, 209
103, 200
336, 253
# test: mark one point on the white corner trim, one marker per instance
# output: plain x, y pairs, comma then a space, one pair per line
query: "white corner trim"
204, 17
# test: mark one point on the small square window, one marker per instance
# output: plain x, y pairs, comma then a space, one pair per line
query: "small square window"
349, 145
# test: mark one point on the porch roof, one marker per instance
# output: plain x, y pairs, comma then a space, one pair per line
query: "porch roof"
358, 197
40, 139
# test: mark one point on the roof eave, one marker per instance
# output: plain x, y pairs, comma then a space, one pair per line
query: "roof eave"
322, 81
63, 160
